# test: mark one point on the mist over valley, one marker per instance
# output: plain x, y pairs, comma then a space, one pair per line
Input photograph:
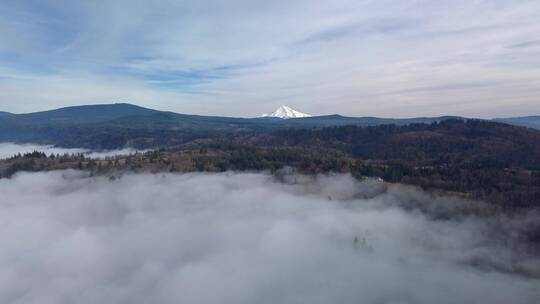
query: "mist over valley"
244, 238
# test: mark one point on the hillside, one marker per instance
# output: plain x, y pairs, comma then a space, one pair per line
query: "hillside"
476, 159
80, 114
470, 142
486, 160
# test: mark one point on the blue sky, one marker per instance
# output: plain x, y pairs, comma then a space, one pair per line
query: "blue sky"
242, 58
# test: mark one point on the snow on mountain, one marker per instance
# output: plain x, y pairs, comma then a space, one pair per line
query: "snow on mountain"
286, 112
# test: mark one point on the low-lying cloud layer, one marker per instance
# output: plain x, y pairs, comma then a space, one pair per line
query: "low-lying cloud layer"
10, 149
249, 238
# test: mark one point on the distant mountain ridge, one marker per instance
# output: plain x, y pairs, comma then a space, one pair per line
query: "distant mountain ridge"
125, 114
116, 125
525, 121
129, 115
84, 114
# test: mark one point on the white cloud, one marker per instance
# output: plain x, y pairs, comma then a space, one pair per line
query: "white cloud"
245, 238
351, 57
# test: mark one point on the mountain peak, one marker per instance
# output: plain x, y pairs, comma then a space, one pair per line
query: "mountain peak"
286, 112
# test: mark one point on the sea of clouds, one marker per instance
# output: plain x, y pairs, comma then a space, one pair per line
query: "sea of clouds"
10, 149
253, 238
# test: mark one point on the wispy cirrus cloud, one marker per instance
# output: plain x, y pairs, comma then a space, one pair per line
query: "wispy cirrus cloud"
526, 44
245, 57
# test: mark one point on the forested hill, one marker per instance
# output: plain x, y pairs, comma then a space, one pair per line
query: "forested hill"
487, 160
482, 160
469, 143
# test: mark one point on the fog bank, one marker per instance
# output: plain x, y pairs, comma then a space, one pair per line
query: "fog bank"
10, 149
249, 238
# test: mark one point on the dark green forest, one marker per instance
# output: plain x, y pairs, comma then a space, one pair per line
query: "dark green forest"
476, 159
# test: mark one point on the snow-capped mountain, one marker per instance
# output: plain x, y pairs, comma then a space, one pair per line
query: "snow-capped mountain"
286, 112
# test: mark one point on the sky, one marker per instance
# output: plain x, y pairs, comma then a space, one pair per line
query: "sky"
475, 58
247, 238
